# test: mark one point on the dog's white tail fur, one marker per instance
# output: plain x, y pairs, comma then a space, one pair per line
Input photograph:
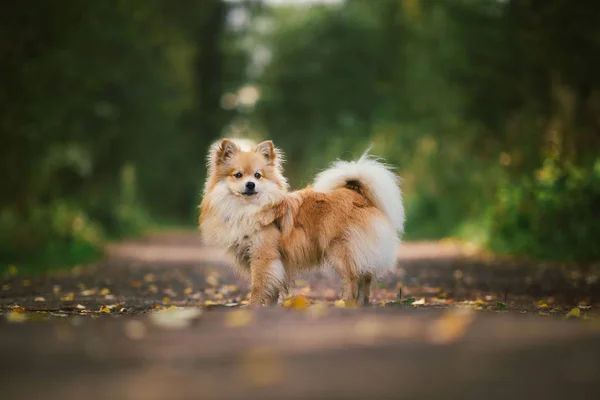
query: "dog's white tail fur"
375, 180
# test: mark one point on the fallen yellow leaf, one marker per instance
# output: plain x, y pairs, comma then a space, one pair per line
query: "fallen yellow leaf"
175, 318
297, 302
212, 280
16, 317
574, 313
478, 308
104, 291
210, 303
340, 303
26, 282
166, 300
149, 277
68, 297
230, 288
12, 270
543, 306
169, 309
188, 290
104, 309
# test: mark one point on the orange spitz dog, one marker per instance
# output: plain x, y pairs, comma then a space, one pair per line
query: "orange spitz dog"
350, 219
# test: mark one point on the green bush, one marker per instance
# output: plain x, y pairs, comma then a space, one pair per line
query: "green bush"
66, 233
107, 109
552, 215
60, 234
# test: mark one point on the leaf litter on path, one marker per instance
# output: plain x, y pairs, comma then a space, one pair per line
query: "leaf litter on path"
145, 289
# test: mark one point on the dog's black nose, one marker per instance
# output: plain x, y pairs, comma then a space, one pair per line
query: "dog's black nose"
250, 185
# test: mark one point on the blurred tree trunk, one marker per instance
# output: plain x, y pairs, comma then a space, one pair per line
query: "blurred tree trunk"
208, 68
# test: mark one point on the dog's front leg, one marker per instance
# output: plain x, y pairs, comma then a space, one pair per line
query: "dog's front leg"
280, 295
268, 276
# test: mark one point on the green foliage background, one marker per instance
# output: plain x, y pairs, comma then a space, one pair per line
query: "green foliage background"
488, 108
472, 100
107, 108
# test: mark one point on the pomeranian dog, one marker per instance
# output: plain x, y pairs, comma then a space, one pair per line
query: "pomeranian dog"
350, 219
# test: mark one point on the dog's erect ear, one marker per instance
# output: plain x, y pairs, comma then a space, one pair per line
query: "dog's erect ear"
227, 149
267, 150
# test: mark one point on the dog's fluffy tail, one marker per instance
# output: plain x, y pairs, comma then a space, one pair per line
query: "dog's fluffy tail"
371, 178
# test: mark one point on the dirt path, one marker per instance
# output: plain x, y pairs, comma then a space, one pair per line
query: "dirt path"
163, 318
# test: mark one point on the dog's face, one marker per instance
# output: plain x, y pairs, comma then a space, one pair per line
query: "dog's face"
251, 174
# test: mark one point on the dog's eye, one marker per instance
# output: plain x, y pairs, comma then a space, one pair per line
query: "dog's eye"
257, 175
238, 175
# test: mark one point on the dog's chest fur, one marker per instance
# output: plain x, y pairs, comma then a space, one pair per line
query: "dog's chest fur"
233, 229
242, 252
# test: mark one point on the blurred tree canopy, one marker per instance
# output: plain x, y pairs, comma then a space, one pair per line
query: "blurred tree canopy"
107, 108
470, 98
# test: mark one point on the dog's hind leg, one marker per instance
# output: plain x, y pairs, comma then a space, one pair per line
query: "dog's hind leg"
364, 289
285, 291
273, 298
350, 289
339, 260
